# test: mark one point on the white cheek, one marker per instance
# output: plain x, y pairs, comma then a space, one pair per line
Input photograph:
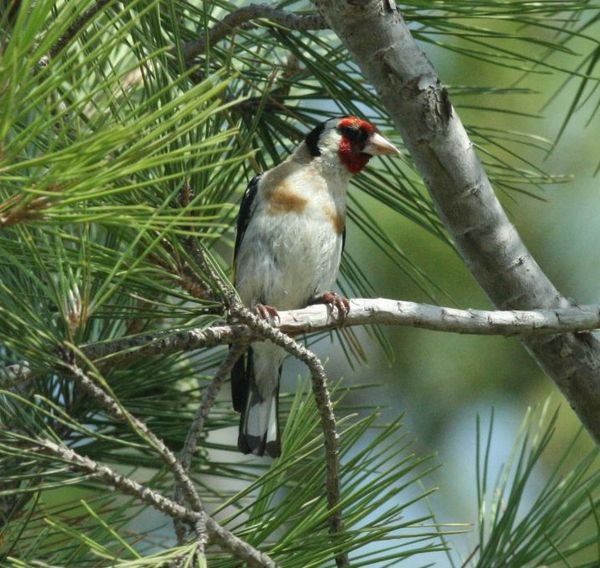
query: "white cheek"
329, 162
330, 143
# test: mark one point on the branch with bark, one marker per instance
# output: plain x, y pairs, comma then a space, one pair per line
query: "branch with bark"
242, 17
204, 526
128, 486
531, 323
411, 91
110, 405
78, 25
195, 431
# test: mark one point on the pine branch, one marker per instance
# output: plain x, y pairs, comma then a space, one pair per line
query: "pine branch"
111, 406
78, 25
128, 486
227, 292
243, 16
191, 442
411, 91
318, 317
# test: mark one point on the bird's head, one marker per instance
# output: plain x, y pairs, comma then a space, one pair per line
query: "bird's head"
349, 142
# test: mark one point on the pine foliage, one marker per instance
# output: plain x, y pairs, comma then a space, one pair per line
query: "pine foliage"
115, 149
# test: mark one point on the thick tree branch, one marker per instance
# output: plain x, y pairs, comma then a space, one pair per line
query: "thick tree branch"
319, 317
382, 45
128, 486
243, 16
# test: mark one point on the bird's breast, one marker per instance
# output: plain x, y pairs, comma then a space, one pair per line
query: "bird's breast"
293, 245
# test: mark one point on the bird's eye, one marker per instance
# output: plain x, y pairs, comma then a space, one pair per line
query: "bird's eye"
350, 132
355, 134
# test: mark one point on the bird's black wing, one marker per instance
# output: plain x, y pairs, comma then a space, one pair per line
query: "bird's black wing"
245, 214
242, 370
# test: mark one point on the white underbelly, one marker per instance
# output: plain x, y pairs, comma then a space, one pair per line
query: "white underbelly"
286, 259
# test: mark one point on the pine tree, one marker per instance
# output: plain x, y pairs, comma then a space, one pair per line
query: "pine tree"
128, 132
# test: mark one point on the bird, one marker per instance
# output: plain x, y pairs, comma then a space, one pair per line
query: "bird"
291, 231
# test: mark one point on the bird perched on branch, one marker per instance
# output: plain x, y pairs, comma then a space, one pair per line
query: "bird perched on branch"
290, 235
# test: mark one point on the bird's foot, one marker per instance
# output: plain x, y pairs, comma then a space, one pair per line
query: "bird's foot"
333, 299
266, 312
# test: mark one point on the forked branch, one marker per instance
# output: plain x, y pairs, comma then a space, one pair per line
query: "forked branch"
382, 45
110, 405
128, 486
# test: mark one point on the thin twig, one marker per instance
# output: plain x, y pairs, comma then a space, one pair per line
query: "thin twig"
77, 26
246, 14
188, 281
328, 422
226, 290
110, 405
208, 398
128, 486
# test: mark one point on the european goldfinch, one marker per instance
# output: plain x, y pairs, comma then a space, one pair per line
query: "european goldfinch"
290, 236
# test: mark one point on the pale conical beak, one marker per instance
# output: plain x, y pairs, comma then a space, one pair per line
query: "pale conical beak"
378, 146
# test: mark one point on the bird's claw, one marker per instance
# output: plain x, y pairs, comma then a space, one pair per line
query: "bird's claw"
266, 312
334, 300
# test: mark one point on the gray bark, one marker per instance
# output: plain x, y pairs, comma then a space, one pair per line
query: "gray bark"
319, 317
410, 89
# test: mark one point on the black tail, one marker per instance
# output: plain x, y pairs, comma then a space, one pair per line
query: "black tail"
259, 421
239, 381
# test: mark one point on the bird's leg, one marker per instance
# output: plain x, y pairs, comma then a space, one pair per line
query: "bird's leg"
334, 300
266, 312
